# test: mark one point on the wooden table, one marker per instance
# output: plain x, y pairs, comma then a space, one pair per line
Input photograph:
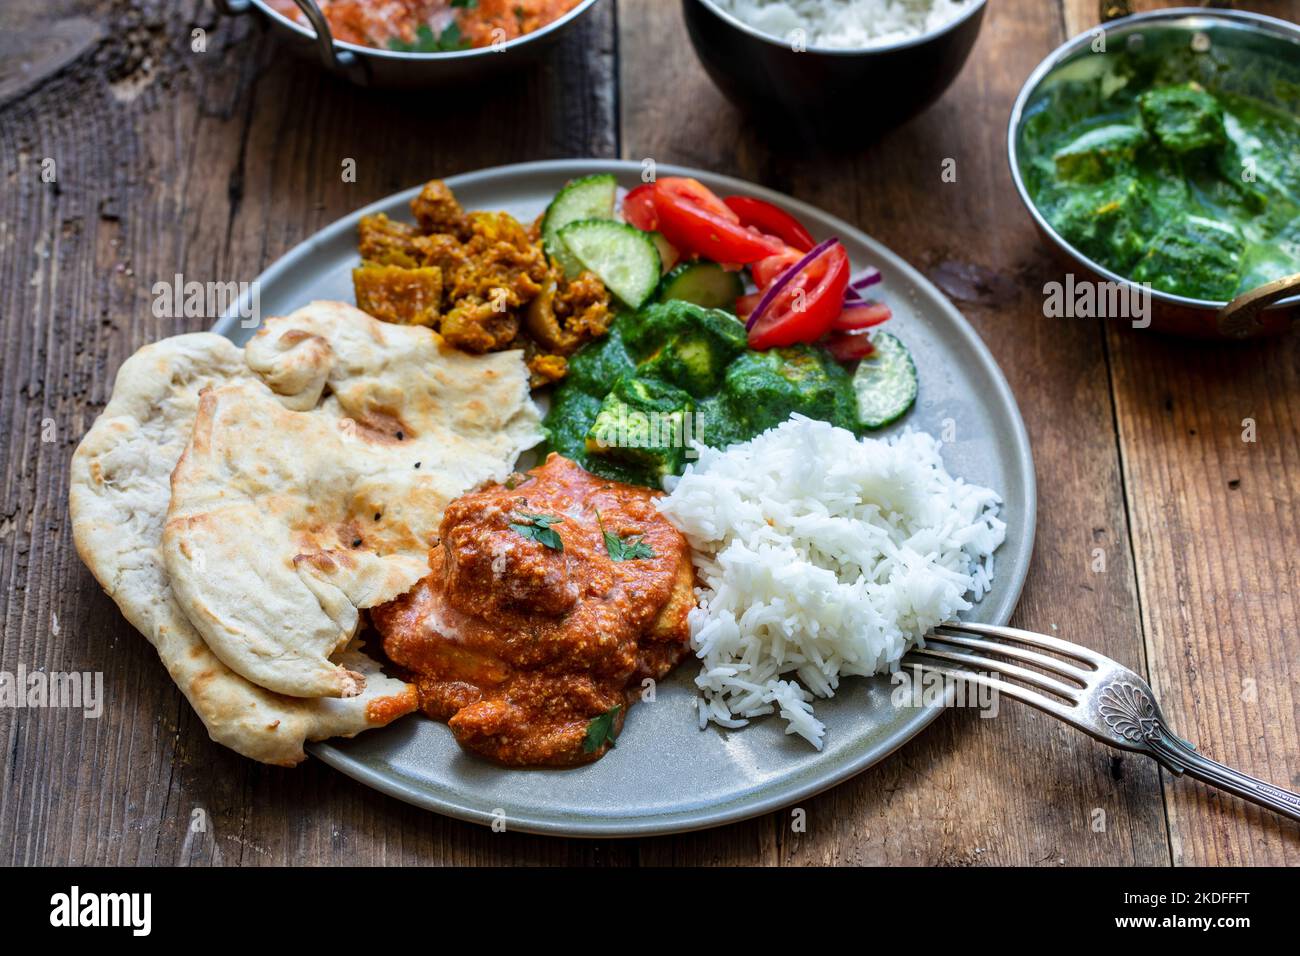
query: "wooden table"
212, 164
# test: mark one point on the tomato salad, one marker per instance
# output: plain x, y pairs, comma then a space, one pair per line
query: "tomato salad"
804, 292
675, 239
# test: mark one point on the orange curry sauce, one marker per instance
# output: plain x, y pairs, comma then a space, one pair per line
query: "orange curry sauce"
518, 644
391, 24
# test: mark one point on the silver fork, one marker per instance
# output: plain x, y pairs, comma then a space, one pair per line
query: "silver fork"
1090, 691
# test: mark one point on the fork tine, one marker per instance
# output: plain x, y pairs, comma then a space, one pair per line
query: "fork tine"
1070, 693
1023, 694
1078, 652
1053, 664
1115, 705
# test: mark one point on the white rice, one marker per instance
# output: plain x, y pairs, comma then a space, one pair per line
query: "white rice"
822, 556
845, 24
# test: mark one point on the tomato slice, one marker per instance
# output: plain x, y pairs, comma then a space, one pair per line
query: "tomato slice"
746, 305
696, 221
805, 309
771, 220
849, 346
639, 208
698, 193
766, 271
855, 317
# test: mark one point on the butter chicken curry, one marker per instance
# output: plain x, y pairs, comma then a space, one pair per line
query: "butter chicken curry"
550, 600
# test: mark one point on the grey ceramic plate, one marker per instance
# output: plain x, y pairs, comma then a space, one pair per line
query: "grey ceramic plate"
667, 775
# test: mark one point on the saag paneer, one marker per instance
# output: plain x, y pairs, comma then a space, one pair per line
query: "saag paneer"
1192, 190
675, 372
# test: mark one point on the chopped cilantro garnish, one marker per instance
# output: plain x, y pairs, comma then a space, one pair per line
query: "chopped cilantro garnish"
600, 730
426, 42
538, 528
632, 549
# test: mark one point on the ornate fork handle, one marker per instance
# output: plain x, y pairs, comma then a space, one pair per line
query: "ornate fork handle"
1130, 712
1086, 689
1179, 758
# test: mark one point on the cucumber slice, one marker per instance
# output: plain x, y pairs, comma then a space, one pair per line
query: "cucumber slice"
703, 283
591, 197
885, 382
624, 258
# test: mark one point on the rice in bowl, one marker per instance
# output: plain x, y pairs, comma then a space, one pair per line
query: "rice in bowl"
823, 556
846, 24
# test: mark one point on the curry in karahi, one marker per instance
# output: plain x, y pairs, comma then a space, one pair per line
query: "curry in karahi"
431, 26
550, 600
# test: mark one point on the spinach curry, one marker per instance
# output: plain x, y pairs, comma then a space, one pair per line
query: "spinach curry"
675, 372
1195, 191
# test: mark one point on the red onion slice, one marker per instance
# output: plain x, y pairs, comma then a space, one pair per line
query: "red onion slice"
867, 279
783, 280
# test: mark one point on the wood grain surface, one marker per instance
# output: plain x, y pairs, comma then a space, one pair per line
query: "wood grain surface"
214, 163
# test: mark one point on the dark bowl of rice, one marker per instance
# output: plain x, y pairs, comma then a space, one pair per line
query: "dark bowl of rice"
821, 68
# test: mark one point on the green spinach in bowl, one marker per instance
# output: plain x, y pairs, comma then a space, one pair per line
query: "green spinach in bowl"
1157, 177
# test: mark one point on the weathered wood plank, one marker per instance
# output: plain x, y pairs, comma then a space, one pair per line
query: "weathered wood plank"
1215, 536
214, 164
1018, 789
1214, 515
1216, 540
209, 164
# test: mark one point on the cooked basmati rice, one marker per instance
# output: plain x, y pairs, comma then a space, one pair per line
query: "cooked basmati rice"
821, 556
845, 24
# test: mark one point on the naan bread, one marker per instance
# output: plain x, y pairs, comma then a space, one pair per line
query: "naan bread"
290, 511
118, 499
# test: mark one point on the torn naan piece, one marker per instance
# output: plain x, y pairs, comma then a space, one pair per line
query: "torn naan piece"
119, 493
292, 511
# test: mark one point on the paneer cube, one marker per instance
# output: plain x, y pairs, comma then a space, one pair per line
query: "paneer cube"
1183, 119
643, 423
1104, 221
1098, 153
762, 388
1194, 256
686, 345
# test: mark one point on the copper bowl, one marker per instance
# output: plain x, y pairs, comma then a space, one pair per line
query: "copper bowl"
392, 69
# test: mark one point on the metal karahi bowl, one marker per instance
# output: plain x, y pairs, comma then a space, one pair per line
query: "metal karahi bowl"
1228, 35
392, 69
830, 94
